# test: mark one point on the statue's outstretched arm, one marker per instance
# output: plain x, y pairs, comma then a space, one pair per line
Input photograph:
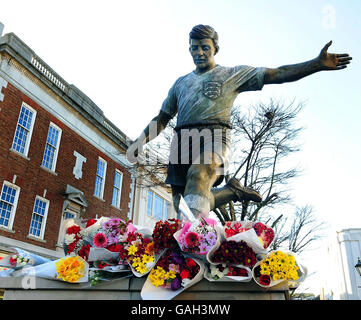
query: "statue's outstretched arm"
324, 62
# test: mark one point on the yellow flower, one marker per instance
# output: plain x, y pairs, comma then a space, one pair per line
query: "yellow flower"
147, 258
170, 275
141, 268
136, 261
70, 269
132, 250
156, 276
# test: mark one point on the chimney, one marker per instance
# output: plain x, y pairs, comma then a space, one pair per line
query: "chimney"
1, 29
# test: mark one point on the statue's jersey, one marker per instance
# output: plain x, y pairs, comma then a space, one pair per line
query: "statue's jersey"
209, 97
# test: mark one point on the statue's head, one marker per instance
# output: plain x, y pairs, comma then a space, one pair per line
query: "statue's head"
203, 46
204, 32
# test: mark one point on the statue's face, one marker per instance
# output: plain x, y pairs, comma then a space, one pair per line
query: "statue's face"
202, 52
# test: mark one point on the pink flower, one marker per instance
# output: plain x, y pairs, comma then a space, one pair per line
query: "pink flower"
192, 239
130, 229
100, 240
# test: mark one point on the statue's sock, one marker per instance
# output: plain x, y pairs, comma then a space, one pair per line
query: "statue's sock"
197, 204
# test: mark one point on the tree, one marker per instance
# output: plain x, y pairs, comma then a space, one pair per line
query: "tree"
263, 138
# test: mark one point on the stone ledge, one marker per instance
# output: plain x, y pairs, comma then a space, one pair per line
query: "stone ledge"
130, 288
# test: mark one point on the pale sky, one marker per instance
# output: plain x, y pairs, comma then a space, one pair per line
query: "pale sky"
125, 55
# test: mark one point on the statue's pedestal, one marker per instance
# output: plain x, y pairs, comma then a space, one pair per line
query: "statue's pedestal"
129, 289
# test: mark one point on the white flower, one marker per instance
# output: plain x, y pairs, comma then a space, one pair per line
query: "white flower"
185, 282
69, 238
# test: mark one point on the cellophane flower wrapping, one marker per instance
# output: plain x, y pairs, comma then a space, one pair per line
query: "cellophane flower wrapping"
257, 234
228, 273
71, 269
174, 272
22, 258
276, 267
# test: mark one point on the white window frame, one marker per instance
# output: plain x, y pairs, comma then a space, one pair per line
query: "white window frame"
53, 165
14, 205
103, 178
165, 204
117, 205
27, 142
43, 224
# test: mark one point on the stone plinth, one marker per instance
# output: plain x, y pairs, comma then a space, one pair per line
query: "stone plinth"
129, 289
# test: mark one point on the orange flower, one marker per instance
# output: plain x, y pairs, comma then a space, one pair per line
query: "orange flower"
149, 248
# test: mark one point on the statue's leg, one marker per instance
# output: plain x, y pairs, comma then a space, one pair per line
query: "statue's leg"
177, 191
200, 179
233, 191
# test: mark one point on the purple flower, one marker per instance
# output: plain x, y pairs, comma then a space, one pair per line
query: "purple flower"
177, 259
211, 237
176, 284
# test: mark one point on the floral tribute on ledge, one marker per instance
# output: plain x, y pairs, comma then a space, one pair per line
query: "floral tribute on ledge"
173, 256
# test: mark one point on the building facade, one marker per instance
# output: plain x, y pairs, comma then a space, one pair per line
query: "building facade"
343, 281
60, 156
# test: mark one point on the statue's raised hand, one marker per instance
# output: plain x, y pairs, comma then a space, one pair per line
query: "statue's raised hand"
333, 61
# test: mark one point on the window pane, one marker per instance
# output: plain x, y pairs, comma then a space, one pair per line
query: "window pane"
50, 148
150, 203
20, 139
158, 207
6, 204
37, 218
22, 129
115, 199
165, 212
68, 215
98, 186
117, 179
101, 168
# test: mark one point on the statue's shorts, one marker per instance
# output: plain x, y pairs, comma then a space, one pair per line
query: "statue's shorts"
190, 145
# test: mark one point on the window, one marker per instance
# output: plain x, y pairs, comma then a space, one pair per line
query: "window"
157, 207
117, 188
100, 178
38, 220
24, 129
51, 147
8, 202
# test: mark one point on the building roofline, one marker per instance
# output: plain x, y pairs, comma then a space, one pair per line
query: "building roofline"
15, 47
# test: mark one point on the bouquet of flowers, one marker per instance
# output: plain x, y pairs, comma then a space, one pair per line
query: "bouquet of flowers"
197, 237
173, 273
140, 252
223, 272
74, 237
233, 252
98, 240
21, 258
163, 234
72, 269
276, 267
258, 235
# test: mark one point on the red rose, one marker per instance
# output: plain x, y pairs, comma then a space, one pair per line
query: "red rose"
265, 279
73, 229
190, 263
115, 247
184, 274
90, 222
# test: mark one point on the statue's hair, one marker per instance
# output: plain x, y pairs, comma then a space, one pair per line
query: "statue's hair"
201, 31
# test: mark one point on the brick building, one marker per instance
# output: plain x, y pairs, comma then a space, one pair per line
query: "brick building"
60, 156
